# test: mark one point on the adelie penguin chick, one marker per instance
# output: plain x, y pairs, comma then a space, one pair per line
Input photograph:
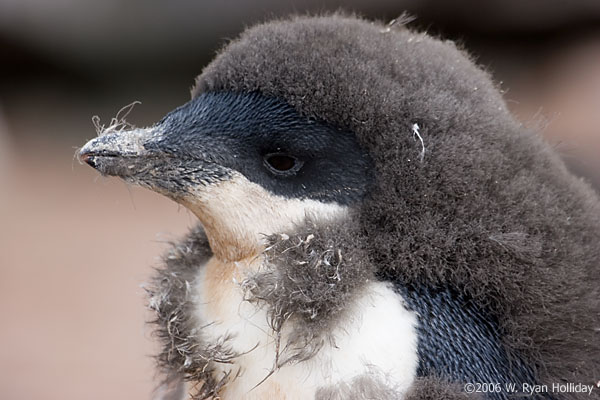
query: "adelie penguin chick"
374, 225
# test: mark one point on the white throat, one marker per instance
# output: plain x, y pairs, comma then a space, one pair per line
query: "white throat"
238, 214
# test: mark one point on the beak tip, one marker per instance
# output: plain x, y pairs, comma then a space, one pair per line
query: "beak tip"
86, 157
85, 154
107, 153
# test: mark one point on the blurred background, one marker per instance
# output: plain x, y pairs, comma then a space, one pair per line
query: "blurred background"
75, 249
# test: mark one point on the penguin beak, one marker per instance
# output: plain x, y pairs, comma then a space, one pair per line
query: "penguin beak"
119, 153
139, 157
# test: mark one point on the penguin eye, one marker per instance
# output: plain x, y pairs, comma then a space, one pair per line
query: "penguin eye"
282, 164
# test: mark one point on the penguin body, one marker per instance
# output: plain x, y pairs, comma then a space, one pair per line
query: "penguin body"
377, 358
375, 224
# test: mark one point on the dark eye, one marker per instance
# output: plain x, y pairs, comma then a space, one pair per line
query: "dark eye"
282, 164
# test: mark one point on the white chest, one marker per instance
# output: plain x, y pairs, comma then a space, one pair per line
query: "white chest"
376, 338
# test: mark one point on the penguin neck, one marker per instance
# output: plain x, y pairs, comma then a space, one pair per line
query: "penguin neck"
239, 215
227, 243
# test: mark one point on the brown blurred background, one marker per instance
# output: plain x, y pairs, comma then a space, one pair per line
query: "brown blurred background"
75, 248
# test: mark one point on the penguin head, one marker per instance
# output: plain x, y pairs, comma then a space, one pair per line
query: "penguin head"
246, 164
308, 117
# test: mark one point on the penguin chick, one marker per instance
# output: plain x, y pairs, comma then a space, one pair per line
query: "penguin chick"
375, 224
251, 167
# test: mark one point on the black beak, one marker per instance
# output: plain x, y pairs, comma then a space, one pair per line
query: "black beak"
120, 153
142, 157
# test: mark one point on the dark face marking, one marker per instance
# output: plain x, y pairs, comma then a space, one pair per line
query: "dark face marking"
268, 142
217, 134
